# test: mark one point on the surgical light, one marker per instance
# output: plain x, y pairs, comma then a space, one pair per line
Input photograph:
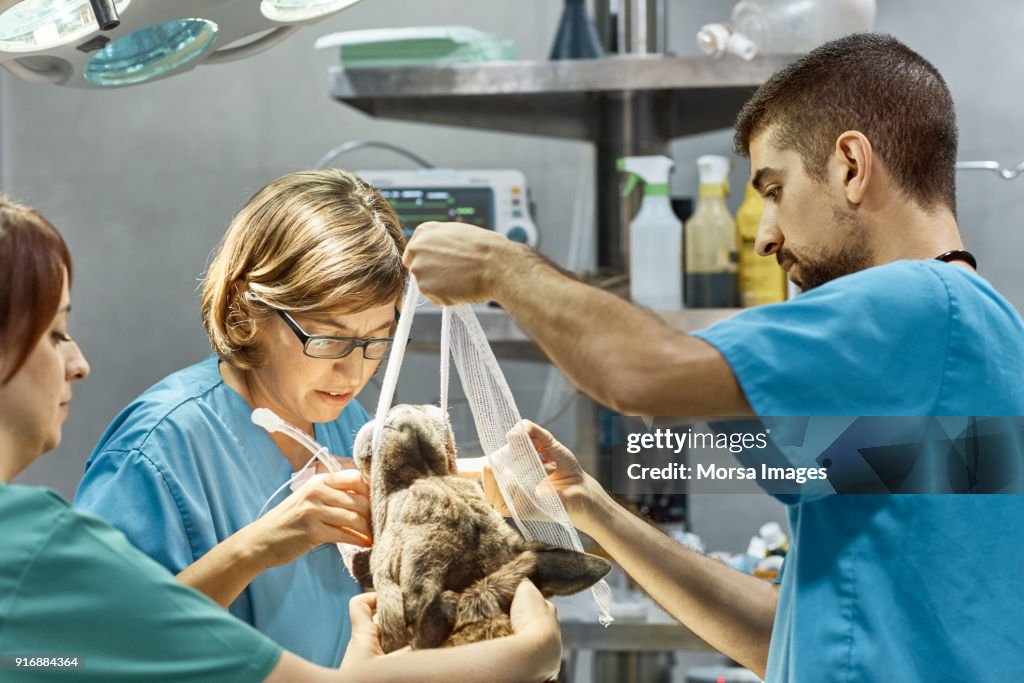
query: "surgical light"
151, 52
60, 41
42, 24
302, 10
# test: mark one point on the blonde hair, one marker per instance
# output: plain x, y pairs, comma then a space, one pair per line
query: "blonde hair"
313, 242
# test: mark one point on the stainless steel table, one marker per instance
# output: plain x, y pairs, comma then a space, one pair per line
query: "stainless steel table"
627, 652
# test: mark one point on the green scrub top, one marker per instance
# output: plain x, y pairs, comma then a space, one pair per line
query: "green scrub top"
72, 586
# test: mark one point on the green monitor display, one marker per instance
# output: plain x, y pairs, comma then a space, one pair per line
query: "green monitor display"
473, 205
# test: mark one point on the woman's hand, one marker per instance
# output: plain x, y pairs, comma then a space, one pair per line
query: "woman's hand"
535, 619
329, 508
578, 491
364, 643
532, 653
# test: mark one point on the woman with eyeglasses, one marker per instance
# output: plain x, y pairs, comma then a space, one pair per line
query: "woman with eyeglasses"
299, 303
79, 600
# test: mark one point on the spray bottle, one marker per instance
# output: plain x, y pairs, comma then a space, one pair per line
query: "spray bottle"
711, 258
655, 236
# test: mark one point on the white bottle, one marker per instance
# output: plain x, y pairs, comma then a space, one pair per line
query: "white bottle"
655, 237
785, 26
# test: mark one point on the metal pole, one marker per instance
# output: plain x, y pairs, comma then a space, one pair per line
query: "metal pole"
657, 27
629, 124
605, 19
638, 27
106, 14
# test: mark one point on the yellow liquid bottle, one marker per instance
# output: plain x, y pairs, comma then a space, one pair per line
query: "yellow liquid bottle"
762, 281
710, 236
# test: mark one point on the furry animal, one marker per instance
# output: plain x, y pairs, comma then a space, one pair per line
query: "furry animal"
444, 564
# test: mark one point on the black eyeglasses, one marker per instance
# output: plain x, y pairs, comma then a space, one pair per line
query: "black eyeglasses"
326, 346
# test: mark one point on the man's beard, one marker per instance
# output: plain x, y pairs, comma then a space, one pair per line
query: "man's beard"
855, 255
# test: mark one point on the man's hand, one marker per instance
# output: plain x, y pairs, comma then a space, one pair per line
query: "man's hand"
579, 492
455, 263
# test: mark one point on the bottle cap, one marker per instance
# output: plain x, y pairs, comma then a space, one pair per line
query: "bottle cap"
714, 169
713, 39
757, 547
772, 534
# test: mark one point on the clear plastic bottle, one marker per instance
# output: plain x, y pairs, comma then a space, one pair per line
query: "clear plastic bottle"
762, 281
710, 234
785, 26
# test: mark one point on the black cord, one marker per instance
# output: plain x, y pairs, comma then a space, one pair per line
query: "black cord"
958, 255
353, 145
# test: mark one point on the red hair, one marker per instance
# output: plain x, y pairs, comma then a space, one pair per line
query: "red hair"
33, 261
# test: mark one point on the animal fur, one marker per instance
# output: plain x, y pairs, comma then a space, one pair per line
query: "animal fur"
444, 564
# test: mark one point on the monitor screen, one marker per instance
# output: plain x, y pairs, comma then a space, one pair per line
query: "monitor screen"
473, 205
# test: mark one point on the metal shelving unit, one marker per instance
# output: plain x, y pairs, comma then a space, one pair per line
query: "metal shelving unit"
625, 105
558, 98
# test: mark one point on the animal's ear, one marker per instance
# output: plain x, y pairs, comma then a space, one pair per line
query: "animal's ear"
445, 433
564, 572
450, 453
360, 569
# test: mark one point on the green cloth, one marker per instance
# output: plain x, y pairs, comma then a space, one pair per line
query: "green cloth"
72, 585
417, 46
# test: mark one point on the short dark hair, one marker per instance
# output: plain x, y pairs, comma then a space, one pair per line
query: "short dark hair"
871, 83
33, 260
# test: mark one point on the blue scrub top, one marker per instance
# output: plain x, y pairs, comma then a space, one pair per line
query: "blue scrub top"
892, 587
183, 467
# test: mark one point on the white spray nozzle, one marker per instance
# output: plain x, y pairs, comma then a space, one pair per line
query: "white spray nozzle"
653, 170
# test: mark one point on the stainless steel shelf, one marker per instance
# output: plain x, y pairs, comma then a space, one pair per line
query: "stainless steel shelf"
623, 636
559, 98
509, 341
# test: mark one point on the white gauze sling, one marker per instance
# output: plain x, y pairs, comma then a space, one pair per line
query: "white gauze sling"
515, 463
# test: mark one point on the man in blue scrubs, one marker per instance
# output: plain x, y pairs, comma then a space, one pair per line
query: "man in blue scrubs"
853, 148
